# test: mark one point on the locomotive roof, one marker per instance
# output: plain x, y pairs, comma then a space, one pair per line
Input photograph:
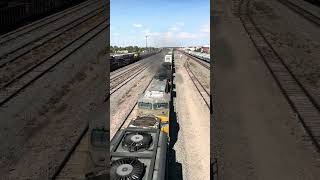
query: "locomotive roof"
155, 97
156, 92
157, 85
145, 122
163, 75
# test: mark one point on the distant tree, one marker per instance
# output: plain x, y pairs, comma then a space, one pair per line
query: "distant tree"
198, 50
130, 49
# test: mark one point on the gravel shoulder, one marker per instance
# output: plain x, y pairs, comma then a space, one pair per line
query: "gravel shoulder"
191, 148
42, 122
297, 42
123, 100
202, 73
256, 135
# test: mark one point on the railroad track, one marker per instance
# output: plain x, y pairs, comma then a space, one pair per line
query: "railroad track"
298, 97
125, 69
301, 11
201, 62
25, 30
125, 77
133, 107
201, 89
19, 82
46, 39
84, 132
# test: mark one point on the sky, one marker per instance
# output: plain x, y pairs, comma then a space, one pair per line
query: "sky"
167, 23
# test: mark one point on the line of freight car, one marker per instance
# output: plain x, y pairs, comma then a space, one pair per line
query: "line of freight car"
121, 60
14, 14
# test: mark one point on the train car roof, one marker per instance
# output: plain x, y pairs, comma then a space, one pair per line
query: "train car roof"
155, 97
157, 85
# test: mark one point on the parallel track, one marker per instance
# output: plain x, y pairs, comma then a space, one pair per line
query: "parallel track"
60, 167
19, 83
298, 97
125, 77
43, 22
301, 11
201, 89
128, 115
200, 61
46, 38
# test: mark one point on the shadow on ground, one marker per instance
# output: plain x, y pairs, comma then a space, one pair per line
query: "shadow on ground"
174, 167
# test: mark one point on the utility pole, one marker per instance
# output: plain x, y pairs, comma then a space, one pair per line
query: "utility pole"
147, 42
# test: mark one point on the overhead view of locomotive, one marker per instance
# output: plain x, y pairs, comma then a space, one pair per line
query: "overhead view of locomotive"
140, 150
156, 100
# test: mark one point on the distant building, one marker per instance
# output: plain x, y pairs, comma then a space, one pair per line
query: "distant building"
205, 49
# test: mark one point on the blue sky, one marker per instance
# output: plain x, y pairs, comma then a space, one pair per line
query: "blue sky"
166, 22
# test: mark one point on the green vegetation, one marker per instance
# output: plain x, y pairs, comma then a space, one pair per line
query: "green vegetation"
198, 50
130, 49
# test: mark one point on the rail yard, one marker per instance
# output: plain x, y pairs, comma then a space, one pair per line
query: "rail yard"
129, 110
266, 80
45, 67
167, 111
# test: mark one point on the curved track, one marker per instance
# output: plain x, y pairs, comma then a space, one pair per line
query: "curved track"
303, 12
298, 97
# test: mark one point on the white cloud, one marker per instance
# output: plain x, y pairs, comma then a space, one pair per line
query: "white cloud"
168, 35
180, 23
146, 31
174, 28
205, 28
154, 34
137, 25
186, 35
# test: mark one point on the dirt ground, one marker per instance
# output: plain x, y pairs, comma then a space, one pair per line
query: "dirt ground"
297, 42
256, 134
42, 122
202, 73
123, 100
191, 130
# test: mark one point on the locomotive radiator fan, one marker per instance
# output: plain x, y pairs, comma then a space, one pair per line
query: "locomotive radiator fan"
127, 169
137, 141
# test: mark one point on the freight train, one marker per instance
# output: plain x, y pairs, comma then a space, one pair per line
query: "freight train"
203, 56
140, 150
119, 60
